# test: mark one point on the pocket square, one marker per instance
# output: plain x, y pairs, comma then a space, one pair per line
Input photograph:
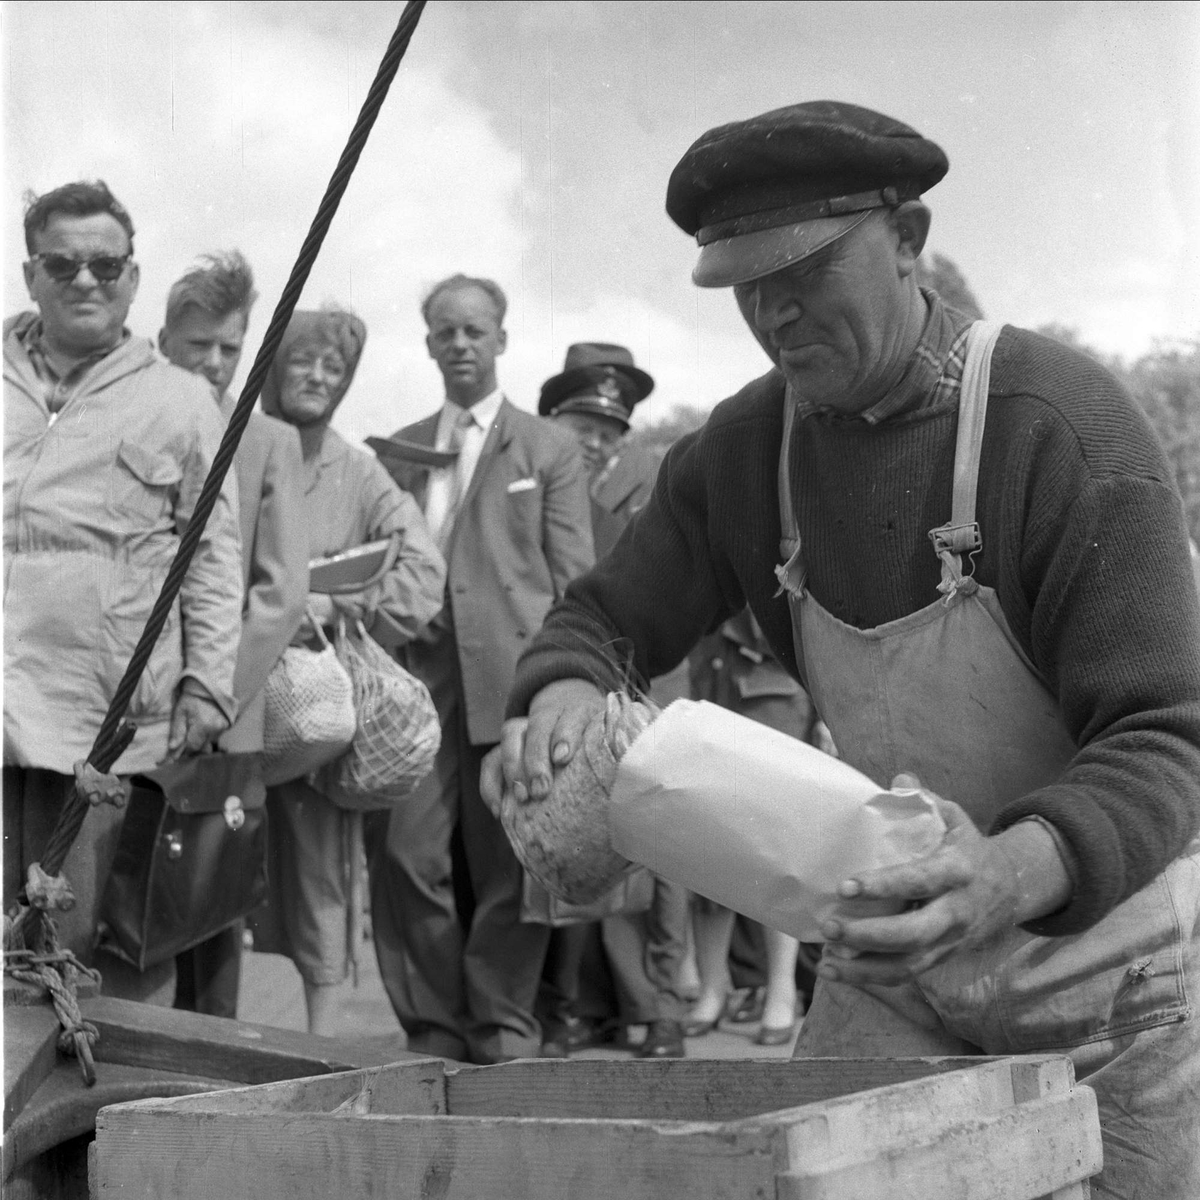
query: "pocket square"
522, 485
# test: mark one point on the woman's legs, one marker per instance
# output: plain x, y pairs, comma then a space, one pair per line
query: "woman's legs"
321, 1000
712, 926
779, 1009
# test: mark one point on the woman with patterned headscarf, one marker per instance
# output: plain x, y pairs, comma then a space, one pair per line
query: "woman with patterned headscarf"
349, 499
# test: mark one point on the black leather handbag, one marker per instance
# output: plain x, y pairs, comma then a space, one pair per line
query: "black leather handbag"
191, 859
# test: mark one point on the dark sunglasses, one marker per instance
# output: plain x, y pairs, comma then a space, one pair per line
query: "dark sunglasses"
105, 268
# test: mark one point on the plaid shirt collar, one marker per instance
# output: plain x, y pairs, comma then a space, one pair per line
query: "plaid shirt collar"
934, 373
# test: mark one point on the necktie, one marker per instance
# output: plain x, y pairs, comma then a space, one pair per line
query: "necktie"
459, 481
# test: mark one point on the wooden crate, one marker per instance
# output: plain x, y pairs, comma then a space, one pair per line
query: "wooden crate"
685, 1129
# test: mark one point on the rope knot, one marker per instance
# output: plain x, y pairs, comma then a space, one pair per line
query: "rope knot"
47, 891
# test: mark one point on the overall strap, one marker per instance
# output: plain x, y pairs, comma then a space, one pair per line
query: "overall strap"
791, 572
961, 535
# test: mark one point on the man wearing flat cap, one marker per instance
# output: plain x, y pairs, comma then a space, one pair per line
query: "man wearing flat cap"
965, 541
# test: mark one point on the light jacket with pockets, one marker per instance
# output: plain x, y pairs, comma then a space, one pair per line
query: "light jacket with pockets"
95, 501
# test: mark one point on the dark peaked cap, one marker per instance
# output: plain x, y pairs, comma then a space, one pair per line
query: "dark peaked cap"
762, 193
598, 378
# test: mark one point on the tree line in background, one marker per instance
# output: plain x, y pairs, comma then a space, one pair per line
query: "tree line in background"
1165, 382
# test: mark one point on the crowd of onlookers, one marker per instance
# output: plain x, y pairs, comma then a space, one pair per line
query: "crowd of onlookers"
491, 511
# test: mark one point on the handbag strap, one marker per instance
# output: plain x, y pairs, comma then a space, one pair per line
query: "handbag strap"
316, 626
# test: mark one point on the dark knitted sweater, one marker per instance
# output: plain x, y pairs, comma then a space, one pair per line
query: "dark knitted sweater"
1083, 540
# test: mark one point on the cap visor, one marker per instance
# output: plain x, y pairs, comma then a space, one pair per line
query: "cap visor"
594, 408
753, 255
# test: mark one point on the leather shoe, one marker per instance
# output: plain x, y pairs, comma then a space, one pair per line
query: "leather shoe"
555, 1040
664, 1039
584, 1032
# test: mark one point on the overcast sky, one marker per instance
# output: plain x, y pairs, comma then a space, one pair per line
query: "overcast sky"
532, 142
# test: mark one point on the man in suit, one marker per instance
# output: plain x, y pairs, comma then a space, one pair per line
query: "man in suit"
509, 510
208, 310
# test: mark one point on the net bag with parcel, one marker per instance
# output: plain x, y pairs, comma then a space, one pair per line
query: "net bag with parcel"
397, 733
738, 812
308, 716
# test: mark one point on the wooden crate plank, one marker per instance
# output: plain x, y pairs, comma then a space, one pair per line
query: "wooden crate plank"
1026, 1152
63, 1108
839, 1128
30, 1051
399, 1089
210, 1156
676, 1089
144, 1035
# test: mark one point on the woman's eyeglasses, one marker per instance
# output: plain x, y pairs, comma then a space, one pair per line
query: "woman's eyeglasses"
105, 268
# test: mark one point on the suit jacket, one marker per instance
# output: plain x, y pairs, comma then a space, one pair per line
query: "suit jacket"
620, 492
523, 532
274, 564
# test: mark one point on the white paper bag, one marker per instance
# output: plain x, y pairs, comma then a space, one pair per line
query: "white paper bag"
756, 820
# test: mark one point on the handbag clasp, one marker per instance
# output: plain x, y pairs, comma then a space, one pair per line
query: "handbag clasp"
235, 814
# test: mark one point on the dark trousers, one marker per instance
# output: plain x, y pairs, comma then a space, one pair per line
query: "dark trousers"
458, 991
208, 976
630, 968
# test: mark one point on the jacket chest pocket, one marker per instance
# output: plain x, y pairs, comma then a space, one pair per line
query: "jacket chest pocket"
523, 510
144, 485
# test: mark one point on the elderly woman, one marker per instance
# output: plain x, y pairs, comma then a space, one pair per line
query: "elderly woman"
349, 499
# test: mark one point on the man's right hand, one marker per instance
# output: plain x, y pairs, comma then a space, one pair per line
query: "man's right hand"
532, 748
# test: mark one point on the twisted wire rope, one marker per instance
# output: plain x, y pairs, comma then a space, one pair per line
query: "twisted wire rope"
115, 733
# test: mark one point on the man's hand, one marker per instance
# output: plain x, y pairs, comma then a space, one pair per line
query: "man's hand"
196, 722
968, 889
532, 748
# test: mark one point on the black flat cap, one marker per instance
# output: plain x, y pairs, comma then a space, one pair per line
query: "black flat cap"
598, 378
762, 193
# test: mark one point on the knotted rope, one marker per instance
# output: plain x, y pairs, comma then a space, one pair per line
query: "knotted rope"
115, 732
58, 971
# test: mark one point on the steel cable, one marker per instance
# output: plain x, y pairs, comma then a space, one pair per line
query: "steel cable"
115, 733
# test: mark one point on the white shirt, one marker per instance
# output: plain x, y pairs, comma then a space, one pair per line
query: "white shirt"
440, 491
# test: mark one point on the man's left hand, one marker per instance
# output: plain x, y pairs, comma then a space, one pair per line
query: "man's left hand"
968, 889
196, 722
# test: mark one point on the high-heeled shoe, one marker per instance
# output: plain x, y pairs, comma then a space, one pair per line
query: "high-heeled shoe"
771, 1035
692, 1027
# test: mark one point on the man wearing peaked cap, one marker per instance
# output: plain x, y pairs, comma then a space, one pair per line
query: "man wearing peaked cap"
593, 396
966, 542
630, 973
598, 378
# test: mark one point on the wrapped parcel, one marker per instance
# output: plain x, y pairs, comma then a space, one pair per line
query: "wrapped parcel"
756, 820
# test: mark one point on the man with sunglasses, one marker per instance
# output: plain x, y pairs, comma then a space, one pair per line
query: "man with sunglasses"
106, 449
